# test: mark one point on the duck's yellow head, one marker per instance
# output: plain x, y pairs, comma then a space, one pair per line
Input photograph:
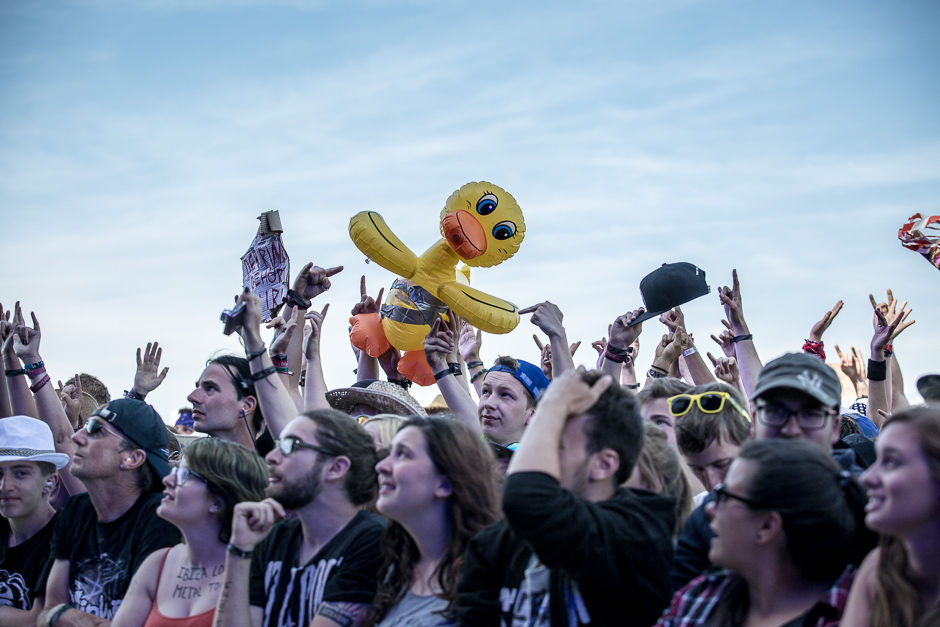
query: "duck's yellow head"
483, 224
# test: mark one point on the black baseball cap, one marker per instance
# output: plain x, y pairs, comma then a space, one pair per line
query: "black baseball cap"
669, 286
142, 425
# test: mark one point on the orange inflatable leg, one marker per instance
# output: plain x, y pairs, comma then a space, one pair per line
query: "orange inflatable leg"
414, 366
368, 335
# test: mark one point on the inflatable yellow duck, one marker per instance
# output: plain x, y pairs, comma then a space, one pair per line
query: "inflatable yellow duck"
482, 226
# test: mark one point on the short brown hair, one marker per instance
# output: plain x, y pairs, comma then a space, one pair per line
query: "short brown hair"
696, 429
661, 388
339, 432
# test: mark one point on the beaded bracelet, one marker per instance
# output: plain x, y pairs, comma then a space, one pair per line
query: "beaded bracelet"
478, 375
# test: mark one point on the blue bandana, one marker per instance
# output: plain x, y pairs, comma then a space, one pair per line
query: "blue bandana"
531, 377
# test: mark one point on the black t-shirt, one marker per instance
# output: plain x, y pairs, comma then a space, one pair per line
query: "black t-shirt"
103, 557
344, 569
24, 568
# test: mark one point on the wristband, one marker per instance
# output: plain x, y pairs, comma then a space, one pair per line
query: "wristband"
689, 352
134, 394
478, 375
65, 607
635, 386
249, 355
474, 364
741, 338
15, 372
655, 374
888, 351
35, 372
455, 368
38, 385
267, 372
620, 352
877, 370
443, 373
814, 348
296, 299
284, 370
237, 552
614, 357
28, 367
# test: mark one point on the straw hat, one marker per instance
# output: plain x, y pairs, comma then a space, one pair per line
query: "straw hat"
385, 397
26, 439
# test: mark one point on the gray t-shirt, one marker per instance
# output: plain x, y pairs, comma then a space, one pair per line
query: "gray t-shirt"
415, 611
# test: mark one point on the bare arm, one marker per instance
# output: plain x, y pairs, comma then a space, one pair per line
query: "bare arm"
548, 317
280, 348
877, 386
21, 399
139, 598
437, 346
745, 352
315, 385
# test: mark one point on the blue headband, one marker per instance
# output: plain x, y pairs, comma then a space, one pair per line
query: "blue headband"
531, 377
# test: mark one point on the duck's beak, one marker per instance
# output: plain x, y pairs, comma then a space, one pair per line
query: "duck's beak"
464, 233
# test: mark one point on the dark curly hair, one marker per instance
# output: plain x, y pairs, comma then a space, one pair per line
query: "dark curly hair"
467, 463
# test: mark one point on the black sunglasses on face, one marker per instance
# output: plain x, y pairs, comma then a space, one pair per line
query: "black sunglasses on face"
288, 445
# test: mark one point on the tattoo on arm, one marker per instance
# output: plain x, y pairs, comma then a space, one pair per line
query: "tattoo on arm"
343, 613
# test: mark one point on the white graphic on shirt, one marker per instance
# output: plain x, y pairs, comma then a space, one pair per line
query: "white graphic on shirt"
96, 581
13, 591
302, 596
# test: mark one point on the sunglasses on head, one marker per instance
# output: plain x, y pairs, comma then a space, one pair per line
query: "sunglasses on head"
708, 403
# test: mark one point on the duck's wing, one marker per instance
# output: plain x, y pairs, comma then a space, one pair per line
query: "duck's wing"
483, 311
372, 236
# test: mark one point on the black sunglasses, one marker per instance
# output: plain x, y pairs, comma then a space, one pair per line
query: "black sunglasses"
288, 445
722, 494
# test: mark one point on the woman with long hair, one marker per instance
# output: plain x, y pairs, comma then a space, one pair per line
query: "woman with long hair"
788, 525
437, 489
898, 584
179, 587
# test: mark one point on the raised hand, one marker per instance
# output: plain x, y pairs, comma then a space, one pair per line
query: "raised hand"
673, 319
890, 312
148, 376
726, 369
312, 337
621, 334
545, 358
438, 345
251, 522
471, 340
314, 280
724, 340
884, 330
816, 333
26, 340
367, 304
547, 317
731, 300
71, 397
600, 346
283, 332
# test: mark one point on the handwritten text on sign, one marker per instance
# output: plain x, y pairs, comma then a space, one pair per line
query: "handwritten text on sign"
266, 271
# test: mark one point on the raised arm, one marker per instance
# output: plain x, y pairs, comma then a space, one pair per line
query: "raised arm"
548, 317
275, 401
21, 399
853, 366
26, 342
469, 344
877, 368
280, 347
310, 283
315, 386
438, 345
620, 345
148, 376
367, 366
814, 343
748, 361
699, 371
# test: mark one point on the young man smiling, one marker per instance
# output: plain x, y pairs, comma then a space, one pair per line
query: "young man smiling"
28, 464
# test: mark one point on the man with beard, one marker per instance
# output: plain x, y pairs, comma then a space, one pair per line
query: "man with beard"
319, 568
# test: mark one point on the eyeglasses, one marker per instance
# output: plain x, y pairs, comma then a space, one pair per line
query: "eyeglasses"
181, 475
722, 494
94, 427
289, 445
708, 403
778, 416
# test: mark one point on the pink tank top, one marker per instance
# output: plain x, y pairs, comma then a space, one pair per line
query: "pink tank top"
156, 619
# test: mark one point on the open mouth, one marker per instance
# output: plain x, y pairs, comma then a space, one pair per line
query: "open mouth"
464, 234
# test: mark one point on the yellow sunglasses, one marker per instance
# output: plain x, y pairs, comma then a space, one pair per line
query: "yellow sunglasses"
708, 403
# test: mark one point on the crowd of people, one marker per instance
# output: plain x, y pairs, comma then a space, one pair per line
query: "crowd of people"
531, 493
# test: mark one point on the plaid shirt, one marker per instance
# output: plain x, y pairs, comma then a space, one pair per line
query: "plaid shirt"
693, 605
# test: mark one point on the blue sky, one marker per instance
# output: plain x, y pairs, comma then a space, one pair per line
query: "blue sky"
140, 140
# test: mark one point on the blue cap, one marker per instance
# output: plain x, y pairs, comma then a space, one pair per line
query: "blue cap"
531, 377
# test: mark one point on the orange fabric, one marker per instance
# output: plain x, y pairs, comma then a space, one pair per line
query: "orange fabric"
414, 365
156, 619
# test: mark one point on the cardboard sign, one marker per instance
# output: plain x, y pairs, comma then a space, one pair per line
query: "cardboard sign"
922, 235
266, 266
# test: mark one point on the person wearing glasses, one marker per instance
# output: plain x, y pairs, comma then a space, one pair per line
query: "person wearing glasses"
789, 531
438, 490
319, 568
711, 426
180, 586
797, 396
102, 536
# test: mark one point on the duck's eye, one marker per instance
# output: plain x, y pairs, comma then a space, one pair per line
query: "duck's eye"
487, 205
504, 230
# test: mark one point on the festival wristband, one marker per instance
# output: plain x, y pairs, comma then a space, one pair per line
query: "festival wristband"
877, 370
656, 374
237, 552
296, 299
474, 364
249, 355
741, 338
28, 367
267, 372
635, 386
62, 609
15, 372
614, 357
39, 384
690, 352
